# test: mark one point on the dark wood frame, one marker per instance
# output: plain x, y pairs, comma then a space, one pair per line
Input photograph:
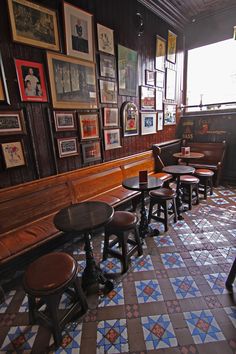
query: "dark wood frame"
74, 153
14, 131
59, 128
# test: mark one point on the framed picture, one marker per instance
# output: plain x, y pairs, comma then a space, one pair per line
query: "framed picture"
169, 114
67, 147
105, 39
130, 118
171, 48
12, 122
148, 123
64, 120
72, 82
111, 118
4, 96
159, 100
160, 121
31, 81
108, 91
91, 151
147, 96
89, 128
33, 24
127, 71
107, 66
78, 32
160, 79
170, 84
160, 53
149, 77
13, 154
112, 139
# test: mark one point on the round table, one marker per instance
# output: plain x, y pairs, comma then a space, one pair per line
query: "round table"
188, 157
85, 218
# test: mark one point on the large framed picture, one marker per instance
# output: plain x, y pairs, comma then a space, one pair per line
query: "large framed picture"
64, 120
91, 151
147, 98
105, 39
31, 81
13, 154
12, 122
107, 66
170, 84
159, 100
130, 118
169, 114
111, 118
127, 71
33, 24
112, 139
148, 123
108, 91
159, 121
78, 32
67, 147
89, 127
72, 82
171, 48
4, 96
160, 53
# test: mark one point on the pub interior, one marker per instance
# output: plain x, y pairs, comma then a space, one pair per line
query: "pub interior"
117, 176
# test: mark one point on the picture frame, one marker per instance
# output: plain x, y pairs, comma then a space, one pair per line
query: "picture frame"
127, 71
72, 82
40, 29
159, 100
148, 123
31, 81
170, 84
89, 127
78, 32
171, 47
110, 117
160, 79
67, 147
12, 123
147, 98
108, 91
169, 114
91, 151
160, 53
130, 118
13, 154
149, 77
105, 38
112, 139
4, 96
64, 120
160, 121
107, 66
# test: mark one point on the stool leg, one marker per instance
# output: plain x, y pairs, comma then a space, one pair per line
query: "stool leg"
106, 245
231, 277
190, 201
138, 241
125, 264
205, 187
151, 205
197, 193
211, 185
32, 309
166, 215
174, 209
52, 302
80, 295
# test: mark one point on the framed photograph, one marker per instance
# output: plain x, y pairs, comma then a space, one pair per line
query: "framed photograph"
105, 39
112, 139
107, 66
12, 122
149, 77
130, 118
33, 24
13, 154
4, 96
148, 123
72, 82
127, 71
67, 147
159, 100
91, 151
170, 84
78, 32
108, 91
169, 114
160, 79
160, 53
159, 121
64, 120
171, 48
111, 118
89, 128
31, 81
147, 97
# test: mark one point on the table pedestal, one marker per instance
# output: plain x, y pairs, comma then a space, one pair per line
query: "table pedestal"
179, 202
143, 226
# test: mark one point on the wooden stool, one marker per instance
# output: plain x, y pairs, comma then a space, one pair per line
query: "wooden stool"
45, 280
206, 182
190, 185
162, 197
122, 224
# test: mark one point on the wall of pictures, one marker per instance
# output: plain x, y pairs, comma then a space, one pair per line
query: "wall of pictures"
79, 86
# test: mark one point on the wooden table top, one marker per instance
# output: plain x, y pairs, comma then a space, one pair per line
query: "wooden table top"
192, 155
178, 170
133, 184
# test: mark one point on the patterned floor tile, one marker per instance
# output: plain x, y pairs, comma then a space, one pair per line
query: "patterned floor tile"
143, 264
226, 192
132, 311
188, 349
228, 253
111, 265
112, 337
220, 201
232, 232
181, 225
231, 312
163, 241
71, 341
189, 239
232, 344
20, 339
202, 257
81, 267
217, 282
8, 299
148, 291
233, 199
114, 297
212, 302
24, 305
202, 224
215, 236
172, 260
173, 306
185, 287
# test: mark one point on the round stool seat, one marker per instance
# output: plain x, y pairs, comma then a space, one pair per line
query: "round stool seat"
122, 220
203, 172
188, 179
163, 193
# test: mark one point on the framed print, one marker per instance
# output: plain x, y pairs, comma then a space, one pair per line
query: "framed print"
171, 48
112, 139
67, 147
78, 32
160, 79
72, 82
12, 122
170, 84
111, 118
169, 114
159, 121
147, 97
33, 24
31, 81
149, 77
130, 118
89, 128
160, 53
107, 66
4, 96
105, 39
91, 151
108, 91
64, 120
159, 100
13, 154
127, 71
148, 123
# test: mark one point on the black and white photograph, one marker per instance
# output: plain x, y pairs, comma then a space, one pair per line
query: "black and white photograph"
67, 147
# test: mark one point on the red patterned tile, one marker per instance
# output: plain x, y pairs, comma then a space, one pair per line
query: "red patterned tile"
132, 311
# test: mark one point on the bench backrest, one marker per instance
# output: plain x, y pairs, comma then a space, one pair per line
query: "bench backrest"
213, 152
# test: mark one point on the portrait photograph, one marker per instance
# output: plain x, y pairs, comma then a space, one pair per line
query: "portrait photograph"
67, 147
13, 154
91, 151
108, 91
169, 114
4, 96
171, 47
112, 139
89, 127
12, 123
127, 71
148, 123
107, 66
130, 118
64, 120
105, 39
147, 97
160, 53
111, 117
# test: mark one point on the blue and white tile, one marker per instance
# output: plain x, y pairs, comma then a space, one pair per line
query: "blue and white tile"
228, 253
189, 239
214, 236
181, 225
111, 265
226, 192
232, 232
24, 307
112, 337
217, 282
220, 201
71, 340
81, 267
202, 224
148, 291
202, 257
8, 298
143, 264
185, 287
233, 199
163, 241
20, 339
231, 312
172, 260
114, 297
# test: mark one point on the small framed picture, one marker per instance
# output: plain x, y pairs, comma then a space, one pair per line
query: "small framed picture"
64, 120
91, 151
147, 95
13, 154
111, 118
108, 91
89, 128
12, 122
159, 100
170, 84
160, 79
160, 53
105, 39
149, 77
112, 139
159, 121
130, 118
171, 48
169, 114
107, 66
67, 147
148, 123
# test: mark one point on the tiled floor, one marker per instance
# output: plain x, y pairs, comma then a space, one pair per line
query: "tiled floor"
172, 301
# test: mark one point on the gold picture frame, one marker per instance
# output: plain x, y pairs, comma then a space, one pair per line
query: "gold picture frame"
171, 48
